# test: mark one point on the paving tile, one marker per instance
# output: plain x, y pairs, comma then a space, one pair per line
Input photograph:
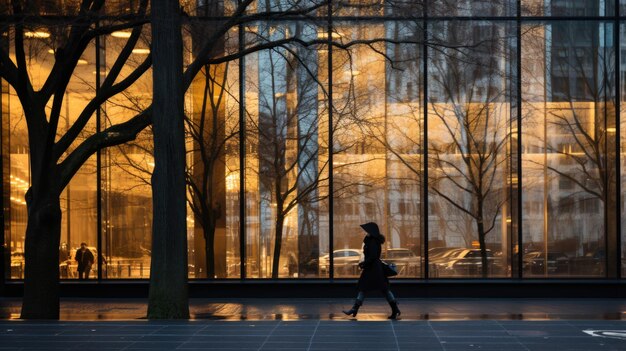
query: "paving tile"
321, 334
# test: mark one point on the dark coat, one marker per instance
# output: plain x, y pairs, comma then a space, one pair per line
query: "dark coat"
372, 276
84, 259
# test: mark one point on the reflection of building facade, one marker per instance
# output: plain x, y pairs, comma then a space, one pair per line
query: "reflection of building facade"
427, 146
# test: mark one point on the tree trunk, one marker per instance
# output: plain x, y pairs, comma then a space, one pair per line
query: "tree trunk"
483, 249
278, 241
168, 275
41, 275
209, 247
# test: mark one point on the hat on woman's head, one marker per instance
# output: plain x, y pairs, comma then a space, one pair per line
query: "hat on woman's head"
372, 229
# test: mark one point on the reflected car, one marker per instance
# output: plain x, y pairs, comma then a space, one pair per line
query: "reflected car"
407, 262
446, 255
435, 252
535, 263
468, 262
346, 261
592, 263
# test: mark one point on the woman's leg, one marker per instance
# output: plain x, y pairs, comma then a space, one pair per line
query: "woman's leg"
360, 297
393, 303
357, 303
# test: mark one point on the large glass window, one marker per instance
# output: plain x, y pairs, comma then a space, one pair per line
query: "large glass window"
78, 200
469, 131
126, 169
286, 166
570, 8
427, 146
359, 162
568, 131
471, 8
212, 118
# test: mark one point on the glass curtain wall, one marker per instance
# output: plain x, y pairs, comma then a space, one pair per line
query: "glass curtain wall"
481, 149
568, 148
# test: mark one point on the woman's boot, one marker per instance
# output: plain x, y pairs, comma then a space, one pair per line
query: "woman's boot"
395, 311
355, 309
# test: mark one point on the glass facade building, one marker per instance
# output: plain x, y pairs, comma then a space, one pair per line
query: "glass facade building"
484, 137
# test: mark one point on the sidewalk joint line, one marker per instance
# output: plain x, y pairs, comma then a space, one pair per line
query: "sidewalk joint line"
395, 337
313, 336
269, 335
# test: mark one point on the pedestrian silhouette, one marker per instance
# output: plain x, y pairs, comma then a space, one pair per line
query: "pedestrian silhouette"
372, 275
85, 260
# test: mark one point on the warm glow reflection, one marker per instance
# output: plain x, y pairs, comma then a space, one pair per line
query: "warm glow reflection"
324, 35
121, 34
37, 35
141, 51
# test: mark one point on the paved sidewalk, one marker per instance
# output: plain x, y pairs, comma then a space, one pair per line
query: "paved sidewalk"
318, 324
313, 335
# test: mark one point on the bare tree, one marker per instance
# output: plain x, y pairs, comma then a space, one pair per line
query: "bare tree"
579, 123
468, 130
285, 131
53, 162
469, 153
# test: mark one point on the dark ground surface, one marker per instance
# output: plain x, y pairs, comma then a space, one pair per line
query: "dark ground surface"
318, 324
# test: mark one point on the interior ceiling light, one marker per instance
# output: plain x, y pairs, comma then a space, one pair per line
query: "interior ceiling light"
121, 34
141, 51
324, 35
51, 51
81, 62
37, 34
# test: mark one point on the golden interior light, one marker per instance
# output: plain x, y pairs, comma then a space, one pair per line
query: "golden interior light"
81, 62
324, 35
141, 51
37, 34
121, 34
611, 130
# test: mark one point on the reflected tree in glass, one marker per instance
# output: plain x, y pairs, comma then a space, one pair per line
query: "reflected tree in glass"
469, 130
284, 138
578, 139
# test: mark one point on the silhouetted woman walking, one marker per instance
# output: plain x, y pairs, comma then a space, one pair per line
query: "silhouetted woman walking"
372, 274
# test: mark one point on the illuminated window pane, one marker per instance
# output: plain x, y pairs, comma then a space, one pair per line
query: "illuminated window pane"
568, 129
469, 130
573, 8
286, 164
126, 172
213, 161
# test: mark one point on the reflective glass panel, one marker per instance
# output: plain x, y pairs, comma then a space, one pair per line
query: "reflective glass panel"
568, 127
286, 163
212, 116
127, 169
469, 131
471, 7
570, 8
